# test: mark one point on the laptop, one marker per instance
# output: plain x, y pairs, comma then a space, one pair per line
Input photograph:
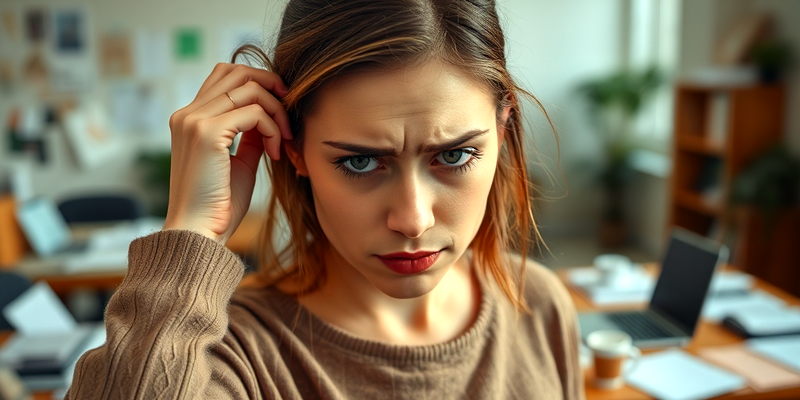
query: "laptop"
674, 310
46, 229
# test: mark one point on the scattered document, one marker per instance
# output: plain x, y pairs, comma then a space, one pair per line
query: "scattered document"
676, 375
762, 375
718, 307
640, 285
105, 260
638, 288
108, 248
48, 341
731, 281
768, 321
784, 350
122, 234
39, 311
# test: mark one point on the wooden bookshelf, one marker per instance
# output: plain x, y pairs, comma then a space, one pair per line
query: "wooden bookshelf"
718, 131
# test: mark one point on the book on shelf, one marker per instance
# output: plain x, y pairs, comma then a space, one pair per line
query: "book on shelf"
719, 106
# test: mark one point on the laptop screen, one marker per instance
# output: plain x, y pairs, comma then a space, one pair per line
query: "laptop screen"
686, 273
44, 226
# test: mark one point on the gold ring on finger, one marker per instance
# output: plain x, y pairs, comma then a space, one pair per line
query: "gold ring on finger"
231, 99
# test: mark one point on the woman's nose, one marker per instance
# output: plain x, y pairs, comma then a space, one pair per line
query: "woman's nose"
411, 208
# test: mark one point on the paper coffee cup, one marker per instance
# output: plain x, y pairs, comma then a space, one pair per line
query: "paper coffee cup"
610, 349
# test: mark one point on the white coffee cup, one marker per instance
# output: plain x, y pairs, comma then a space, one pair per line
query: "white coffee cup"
615, 269
610, 349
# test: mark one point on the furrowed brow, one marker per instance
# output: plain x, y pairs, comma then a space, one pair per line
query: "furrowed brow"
390, 151
440, 147
363, 150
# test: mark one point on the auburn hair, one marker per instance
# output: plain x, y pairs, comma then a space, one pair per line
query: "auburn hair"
322, 39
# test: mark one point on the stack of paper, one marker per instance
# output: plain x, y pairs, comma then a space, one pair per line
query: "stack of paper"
48, 341
718, 307
767, 321
639, 285
638, 288
676, 375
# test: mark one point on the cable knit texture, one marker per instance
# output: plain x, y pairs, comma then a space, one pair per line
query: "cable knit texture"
177, 328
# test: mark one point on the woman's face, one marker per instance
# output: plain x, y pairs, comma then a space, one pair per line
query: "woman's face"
401, 162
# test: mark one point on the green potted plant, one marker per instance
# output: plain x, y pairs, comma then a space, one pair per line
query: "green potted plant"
614, 102
155, 167
769, 184
764, 215
771, 58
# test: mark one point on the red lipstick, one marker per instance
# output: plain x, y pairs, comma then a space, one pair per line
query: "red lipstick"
409, 263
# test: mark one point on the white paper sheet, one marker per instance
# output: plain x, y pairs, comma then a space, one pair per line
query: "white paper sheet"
39, 311
718, 307
151, 54
92, 141
785, 350
97, 261
768, 321
676, 375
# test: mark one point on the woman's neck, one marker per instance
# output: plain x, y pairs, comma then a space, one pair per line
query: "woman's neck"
349, 301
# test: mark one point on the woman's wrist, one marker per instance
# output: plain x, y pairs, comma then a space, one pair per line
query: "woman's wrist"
172, 224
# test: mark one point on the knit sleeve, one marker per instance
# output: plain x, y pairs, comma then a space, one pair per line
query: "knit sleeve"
165, 326
562, 327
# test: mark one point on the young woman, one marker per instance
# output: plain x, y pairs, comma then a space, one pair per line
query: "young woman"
394, 134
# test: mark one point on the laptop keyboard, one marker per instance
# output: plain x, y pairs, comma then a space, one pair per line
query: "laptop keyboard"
639, 326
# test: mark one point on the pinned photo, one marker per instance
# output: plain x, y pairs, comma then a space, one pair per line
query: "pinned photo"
70, 31
35, 25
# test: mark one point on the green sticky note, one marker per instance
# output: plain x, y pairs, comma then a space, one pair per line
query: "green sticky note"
188, 44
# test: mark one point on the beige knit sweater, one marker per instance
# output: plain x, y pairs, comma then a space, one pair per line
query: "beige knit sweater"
176, 330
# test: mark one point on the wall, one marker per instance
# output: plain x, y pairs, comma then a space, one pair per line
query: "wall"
62, 176
552, 46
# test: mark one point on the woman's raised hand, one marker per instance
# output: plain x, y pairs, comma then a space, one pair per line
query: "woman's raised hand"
210, 190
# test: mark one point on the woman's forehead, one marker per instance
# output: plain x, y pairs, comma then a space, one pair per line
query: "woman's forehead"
432, 98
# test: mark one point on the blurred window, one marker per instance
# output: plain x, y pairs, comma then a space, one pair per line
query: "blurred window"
654, 40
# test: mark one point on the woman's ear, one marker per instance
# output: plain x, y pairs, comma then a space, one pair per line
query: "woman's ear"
501, 125
296, 158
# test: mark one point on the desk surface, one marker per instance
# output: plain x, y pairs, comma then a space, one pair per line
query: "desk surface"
707, 335
241, 242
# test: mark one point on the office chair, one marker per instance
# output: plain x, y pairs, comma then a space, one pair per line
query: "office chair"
101, 208
11, 286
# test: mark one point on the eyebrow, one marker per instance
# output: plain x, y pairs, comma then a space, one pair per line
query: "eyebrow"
391, 151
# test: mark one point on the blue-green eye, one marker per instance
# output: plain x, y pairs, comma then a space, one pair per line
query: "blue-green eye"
454, 158
361, 164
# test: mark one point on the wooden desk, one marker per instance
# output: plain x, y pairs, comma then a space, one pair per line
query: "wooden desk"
242, 242
706, 335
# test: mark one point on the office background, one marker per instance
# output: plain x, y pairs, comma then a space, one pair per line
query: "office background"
151, 56
87, 87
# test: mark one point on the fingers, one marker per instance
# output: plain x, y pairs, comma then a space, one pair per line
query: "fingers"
231, 76
250, 93
220, 70
248, 118
250, 149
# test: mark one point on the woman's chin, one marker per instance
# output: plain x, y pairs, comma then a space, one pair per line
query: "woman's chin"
409, 287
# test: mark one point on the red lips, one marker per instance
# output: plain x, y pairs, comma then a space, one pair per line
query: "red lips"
409, 263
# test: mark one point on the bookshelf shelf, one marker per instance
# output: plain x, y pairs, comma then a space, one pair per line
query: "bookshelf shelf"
694, 201
700, 145
718, 131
